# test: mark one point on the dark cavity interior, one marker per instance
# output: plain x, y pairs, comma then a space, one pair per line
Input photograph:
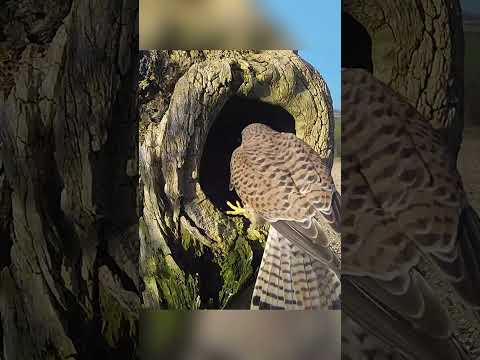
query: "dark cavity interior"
225, 136
356, 44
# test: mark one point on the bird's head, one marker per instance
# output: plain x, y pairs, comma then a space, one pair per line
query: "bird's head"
255, 129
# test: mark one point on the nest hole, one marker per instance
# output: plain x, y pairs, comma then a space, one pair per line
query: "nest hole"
225, 136
356, 44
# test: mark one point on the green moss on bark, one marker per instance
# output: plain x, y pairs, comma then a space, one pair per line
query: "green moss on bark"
236, 268
114, 316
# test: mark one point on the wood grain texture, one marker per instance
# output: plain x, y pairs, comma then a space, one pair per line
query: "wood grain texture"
69, 284
417, 49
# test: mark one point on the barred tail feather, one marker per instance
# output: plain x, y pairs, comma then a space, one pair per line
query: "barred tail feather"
290, 279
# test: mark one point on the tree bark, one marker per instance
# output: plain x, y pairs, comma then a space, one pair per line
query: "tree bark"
417, 49
69, 285
193, 254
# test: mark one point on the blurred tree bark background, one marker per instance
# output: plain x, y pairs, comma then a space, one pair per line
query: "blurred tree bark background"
69, 285
417, 48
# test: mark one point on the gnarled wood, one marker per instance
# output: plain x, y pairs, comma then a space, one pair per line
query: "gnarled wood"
184, 230
417, 49
69, 285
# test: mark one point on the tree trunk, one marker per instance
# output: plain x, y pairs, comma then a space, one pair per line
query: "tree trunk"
193, 106
417, 49
69, 247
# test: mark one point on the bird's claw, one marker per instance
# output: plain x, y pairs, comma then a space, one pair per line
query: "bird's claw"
237, 208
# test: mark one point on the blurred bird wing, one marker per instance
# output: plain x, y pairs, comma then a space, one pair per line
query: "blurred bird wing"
388, 139
374, 318
389, 225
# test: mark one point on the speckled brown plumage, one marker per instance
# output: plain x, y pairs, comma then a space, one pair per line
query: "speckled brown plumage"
403, 203
283, 181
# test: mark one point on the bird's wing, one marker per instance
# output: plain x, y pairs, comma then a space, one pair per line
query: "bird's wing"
382, 289
371, 330
407, 167
310, 237
262, 182
290, 279
402, 201
312, 177
381, 259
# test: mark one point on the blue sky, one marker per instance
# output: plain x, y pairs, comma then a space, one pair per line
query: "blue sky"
315, 26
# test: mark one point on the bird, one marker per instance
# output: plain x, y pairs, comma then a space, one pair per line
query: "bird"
283, 182
403, 206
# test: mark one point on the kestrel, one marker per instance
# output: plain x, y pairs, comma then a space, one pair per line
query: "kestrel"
282, 181
403, 205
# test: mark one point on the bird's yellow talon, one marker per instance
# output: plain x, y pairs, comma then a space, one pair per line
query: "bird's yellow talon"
237, 208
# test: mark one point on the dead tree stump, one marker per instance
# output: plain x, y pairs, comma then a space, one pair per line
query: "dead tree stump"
194, 105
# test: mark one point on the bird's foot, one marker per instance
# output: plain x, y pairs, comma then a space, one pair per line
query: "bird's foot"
237, 209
